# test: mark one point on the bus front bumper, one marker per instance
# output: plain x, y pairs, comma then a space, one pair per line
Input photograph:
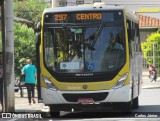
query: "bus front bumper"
99, 97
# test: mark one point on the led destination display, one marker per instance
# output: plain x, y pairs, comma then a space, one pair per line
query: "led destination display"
77, 17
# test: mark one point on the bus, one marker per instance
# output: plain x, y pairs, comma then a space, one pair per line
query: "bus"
88, 57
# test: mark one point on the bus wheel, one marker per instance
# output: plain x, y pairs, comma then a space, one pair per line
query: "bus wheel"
135, 104
53, 113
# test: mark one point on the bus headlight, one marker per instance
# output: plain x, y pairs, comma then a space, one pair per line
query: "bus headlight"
49, 84
121, 81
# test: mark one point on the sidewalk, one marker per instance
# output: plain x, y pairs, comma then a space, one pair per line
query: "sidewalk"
147, 82
22, 105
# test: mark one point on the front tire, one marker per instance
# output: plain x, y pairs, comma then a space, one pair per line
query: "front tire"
135, 104
53, 113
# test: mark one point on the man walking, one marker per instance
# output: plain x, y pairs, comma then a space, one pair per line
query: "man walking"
30, 72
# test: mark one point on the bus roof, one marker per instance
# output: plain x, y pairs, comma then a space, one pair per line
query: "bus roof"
91, 7
83, 8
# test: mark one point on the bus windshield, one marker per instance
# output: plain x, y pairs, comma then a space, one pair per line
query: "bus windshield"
80, 49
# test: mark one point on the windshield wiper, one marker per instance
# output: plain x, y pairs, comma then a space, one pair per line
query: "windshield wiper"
94, 37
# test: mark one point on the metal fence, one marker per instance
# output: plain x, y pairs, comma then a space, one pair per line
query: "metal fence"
154, 58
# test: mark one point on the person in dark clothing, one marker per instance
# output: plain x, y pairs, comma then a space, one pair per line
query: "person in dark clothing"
21, 84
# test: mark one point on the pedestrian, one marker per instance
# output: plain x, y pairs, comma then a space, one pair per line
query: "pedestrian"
152, 72
21, 84
30, 73
152, 68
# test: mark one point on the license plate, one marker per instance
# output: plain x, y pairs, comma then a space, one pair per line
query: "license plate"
85, 100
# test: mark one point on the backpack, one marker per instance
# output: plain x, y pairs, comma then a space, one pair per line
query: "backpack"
22, 78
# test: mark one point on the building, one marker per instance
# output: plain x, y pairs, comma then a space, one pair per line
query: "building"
148, 25
146, 7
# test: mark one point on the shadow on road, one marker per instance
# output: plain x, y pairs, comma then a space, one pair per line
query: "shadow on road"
148, 108
143, 110
84, 115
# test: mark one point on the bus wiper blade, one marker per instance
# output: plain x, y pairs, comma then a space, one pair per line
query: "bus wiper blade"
94, 37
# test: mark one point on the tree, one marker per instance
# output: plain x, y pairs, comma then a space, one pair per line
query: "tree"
29, 9
152, 41
1, 2
24, 46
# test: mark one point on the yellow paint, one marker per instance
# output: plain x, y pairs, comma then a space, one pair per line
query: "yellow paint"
91, 86
149, 9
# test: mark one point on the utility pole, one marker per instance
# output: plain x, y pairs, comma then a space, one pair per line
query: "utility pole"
3, 50
154, 55
8, 77
55, 3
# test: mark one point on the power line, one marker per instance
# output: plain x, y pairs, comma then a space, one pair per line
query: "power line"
28, 11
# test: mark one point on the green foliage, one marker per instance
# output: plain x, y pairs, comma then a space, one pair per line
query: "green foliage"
29, 9
1, 2
24, 45
147, 48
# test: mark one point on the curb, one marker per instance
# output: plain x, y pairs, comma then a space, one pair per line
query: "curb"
146, 82
150, 87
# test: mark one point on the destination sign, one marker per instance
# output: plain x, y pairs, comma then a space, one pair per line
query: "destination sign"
60, 17
89, 16
79, 17
83, 16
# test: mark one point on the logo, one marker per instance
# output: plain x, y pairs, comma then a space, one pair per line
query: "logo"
90, 66
85, 86
87, 74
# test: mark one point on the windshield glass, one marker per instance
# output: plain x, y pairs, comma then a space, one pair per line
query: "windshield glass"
74, 49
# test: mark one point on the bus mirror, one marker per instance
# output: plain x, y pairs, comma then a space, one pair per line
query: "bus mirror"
37, 39
38, 28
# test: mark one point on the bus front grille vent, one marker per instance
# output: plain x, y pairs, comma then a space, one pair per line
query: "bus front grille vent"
72, 97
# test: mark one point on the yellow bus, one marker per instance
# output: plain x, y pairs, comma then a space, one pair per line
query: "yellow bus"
88, 57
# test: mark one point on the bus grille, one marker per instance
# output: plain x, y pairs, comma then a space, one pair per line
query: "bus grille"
95, 96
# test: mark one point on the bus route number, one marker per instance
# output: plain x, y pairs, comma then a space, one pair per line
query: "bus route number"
60, 17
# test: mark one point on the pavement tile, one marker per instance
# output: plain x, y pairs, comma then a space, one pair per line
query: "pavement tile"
22, 105
147, 82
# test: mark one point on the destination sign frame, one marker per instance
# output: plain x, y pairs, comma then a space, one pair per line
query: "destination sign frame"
80, 17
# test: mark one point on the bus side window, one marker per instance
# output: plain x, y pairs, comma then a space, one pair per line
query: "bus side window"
137, 38
131, 30
132, 34
129, 36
